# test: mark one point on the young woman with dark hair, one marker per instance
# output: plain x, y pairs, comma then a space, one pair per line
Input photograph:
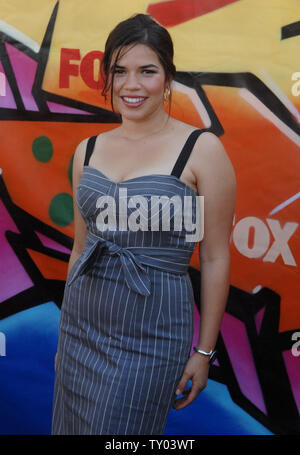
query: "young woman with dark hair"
127, 316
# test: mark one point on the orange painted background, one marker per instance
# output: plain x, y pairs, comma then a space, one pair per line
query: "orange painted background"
238, 75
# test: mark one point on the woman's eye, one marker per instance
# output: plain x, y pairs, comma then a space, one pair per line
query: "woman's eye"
121, 71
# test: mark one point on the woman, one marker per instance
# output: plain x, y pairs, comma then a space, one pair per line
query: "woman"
126, 324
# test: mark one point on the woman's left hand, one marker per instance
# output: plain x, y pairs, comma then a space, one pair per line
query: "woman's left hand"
196, 369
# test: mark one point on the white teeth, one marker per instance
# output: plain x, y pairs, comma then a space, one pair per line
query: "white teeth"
132, 100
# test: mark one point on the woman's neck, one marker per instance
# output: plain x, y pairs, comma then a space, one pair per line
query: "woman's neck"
136, 130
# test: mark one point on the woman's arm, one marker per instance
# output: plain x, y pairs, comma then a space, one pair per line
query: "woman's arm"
80, 229
217, 183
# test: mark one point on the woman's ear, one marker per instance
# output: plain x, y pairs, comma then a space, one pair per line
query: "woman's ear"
169, 82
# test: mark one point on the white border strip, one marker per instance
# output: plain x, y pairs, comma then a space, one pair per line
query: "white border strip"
19, 36
285, 203
268, 114
199, 106
279, 93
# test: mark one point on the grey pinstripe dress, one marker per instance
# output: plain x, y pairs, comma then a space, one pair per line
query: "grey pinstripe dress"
126, 322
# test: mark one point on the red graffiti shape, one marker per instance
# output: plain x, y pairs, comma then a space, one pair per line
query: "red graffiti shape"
174, 12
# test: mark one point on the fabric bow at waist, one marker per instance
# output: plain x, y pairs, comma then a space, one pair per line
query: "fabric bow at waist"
133, 259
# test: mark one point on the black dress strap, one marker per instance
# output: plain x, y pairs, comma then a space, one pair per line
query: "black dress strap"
185, 152
89, 149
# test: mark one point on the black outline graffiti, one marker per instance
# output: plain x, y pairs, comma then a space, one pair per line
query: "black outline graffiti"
240, 80
290, 30
43, 289
267, 345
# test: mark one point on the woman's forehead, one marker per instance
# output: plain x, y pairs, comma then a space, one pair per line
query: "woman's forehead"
135, 53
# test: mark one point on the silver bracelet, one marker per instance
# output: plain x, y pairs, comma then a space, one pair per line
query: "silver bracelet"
211, 354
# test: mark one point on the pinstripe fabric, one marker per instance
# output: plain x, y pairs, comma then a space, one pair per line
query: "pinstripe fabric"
126, 322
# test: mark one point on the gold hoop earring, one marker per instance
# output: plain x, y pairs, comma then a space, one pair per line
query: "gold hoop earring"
167, 93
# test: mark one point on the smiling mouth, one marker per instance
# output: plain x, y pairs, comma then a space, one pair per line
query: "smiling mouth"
133, 100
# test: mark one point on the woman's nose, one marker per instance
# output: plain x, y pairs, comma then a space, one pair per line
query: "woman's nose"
131, 81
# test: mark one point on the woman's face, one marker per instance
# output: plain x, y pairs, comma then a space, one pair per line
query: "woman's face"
139, 83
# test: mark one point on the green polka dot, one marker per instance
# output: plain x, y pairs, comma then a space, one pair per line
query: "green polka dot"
61, 209
42, 149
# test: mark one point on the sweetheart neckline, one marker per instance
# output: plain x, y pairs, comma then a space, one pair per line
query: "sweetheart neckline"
142, 176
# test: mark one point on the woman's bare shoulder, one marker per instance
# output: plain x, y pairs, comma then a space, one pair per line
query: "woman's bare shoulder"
80, 150
181, 128
212, 165
79, 153
210, 151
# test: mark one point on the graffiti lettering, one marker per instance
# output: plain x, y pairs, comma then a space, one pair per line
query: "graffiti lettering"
255, 229
295, 350
88, 68
280, 244
2, 344
296, 86
2, 84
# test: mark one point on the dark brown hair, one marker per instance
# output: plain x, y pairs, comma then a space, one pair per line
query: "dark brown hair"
138, 29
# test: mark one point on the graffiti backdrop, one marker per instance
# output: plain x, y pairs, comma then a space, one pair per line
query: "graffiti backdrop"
238, 75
